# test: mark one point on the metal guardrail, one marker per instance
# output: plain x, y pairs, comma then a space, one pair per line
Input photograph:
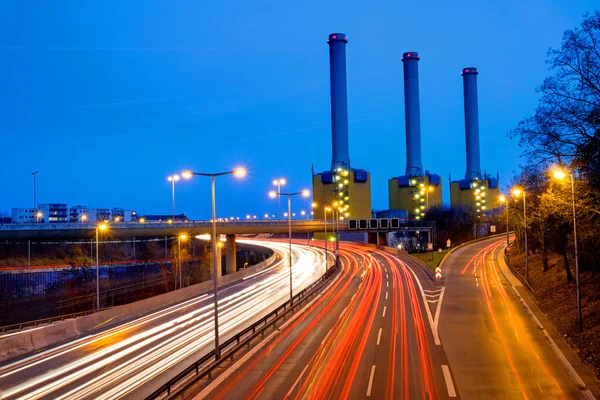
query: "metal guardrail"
516, 273
204, 366
45, 321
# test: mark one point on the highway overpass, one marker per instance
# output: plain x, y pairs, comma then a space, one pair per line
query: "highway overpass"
143, 229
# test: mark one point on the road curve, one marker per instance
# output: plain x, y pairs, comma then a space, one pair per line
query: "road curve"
495, 346
133, 359
368, 336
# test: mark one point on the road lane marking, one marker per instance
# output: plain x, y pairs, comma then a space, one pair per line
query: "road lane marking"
386, 275
384, 308
432, 291
557, 351
371, 381
436, 319
448, 379
343, 311
289, 394
379, 336
388, 284
436, 337
326, 336
254, 350
386, 295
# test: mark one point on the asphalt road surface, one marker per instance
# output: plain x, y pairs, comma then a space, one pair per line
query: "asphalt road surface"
133, 359
370, 335
494, 345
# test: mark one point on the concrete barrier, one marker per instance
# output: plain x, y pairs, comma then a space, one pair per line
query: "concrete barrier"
20, 343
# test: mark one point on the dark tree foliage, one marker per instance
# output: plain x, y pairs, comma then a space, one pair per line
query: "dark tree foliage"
455, 223
565, 128
564, 131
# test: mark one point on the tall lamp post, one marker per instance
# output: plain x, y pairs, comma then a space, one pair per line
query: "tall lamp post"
273, 194
239, 173
279, 183
101, 227
180, 238
173, 179
561, 175
34, 191
503, 199
517, 193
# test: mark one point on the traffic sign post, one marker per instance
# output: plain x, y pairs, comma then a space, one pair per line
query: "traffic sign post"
448, 243
438, 274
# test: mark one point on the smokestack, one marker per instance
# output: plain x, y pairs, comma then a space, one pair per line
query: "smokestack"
339, 103
412, 114
471, 123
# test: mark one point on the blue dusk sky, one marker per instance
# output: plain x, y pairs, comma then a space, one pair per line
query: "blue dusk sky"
107, 98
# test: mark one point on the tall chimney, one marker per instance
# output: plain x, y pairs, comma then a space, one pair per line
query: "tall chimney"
339, 102
412, 114
471, 123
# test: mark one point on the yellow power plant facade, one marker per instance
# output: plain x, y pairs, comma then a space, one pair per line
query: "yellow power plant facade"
346, 191
482, 195
416, 194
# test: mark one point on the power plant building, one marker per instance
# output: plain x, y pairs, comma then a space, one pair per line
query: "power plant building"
345, 190
418, 189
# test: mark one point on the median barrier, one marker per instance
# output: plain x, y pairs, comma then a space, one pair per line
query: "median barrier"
16, 344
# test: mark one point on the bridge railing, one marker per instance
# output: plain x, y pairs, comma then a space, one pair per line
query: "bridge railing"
131, 224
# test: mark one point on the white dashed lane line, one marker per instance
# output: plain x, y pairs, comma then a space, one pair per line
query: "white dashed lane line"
371, 381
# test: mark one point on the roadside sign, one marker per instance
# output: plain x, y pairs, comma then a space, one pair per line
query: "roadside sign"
448, 243
439, 250
429, 246
438, 273
493, 228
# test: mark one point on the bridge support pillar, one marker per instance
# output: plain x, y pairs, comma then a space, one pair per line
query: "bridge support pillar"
230, 257
219, 262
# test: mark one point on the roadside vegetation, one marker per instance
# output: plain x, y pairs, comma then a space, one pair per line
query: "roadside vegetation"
563, 135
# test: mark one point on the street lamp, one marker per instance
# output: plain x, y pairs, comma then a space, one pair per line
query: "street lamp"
101, 227
238, 173
180, 238
34, 190
173, 179
517, 192
503, 199
561, 175
273, 194
279, 183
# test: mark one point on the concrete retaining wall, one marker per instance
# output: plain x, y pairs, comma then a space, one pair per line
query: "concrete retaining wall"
28, 341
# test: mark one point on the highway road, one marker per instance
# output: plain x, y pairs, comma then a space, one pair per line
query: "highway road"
370, 335
133, 359
494, 346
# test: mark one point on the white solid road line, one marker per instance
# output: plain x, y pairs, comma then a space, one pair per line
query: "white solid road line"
436, 336
326, 336
384, 308
371, 381
448, 379
297, 381
574, 375
587, 394
379, 336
